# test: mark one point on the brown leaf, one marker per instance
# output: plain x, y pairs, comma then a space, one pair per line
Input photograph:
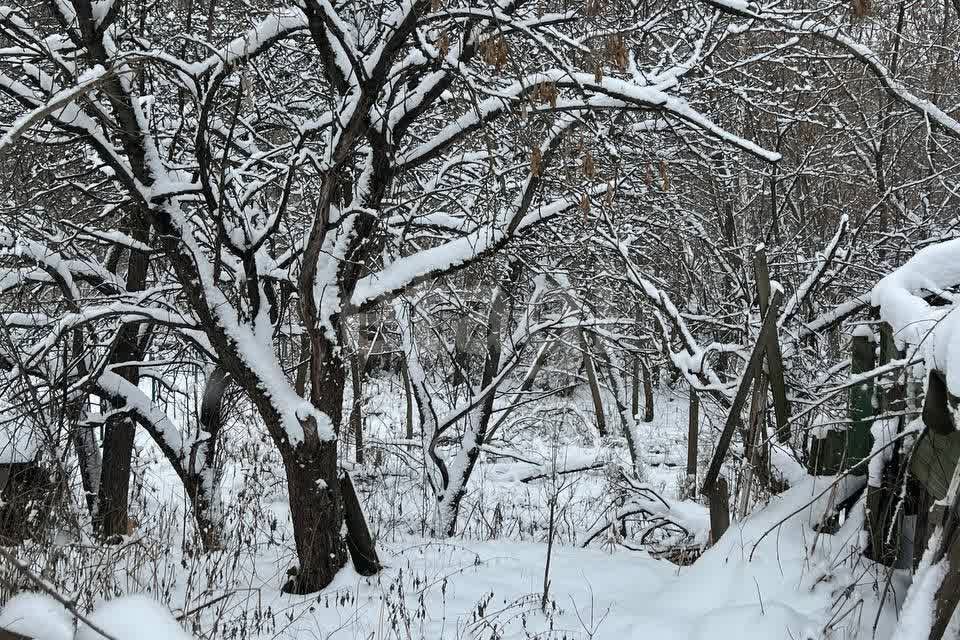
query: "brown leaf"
664, 176
616, 51
546, 92
589, 169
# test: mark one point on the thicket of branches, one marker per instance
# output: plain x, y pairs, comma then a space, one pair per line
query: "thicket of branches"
281, 198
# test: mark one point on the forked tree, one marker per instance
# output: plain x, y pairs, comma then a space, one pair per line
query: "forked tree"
228, 186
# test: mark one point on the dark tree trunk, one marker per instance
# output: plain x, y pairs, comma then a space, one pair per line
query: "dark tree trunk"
647, 393
475, 434
359, 541
595, 393
111, 518
202, 475
316, 501
83, 439
408, 393
357, 375
316, 504
316, 508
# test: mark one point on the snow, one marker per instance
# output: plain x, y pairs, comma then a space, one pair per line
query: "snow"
489, 582
135, 400
932, 330
412, 269
99, 10
19, 439
130, 617
38, 616
916, 616
133, 617
864, 331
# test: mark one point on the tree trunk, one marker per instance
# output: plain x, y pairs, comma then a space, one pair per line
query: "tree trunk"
595, 394
463, 336
316, 508
303, 368
88, 459
316, 501
202, 477
647, 393
461, 352
408, 393
359, 541
618, 387
693, 441
206, 515
357, 369
112, 520
83, 439
719, 499
456, 486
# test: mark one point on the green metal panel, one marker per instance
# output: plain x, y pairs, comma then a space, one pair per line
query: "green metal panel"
859, 440
840, 450
934, 460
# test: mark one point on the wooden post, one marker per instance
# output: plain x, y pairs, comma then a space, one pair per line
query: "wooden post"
885, 518
948, 595
693, 435
940, 524
754, 439
774, 358
733, 417
719, 509
948, 533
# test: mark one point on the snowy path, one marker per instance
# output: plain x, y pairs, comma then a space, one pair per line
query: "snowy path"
794, 586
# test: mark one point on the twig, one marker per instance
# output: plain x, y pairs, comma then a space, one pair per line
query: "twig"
50, 591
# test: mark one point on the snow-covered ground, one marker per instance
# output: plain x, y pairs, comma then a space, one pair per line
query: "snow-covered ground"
771, 576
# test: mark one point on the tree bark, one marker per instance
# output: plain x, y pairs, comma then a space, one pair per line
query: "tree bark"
316, 508
359, 541
83, 439
456, 486
647, 393
111, 520
202, 477
358, 367
408, 394
693, 441
595, 394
